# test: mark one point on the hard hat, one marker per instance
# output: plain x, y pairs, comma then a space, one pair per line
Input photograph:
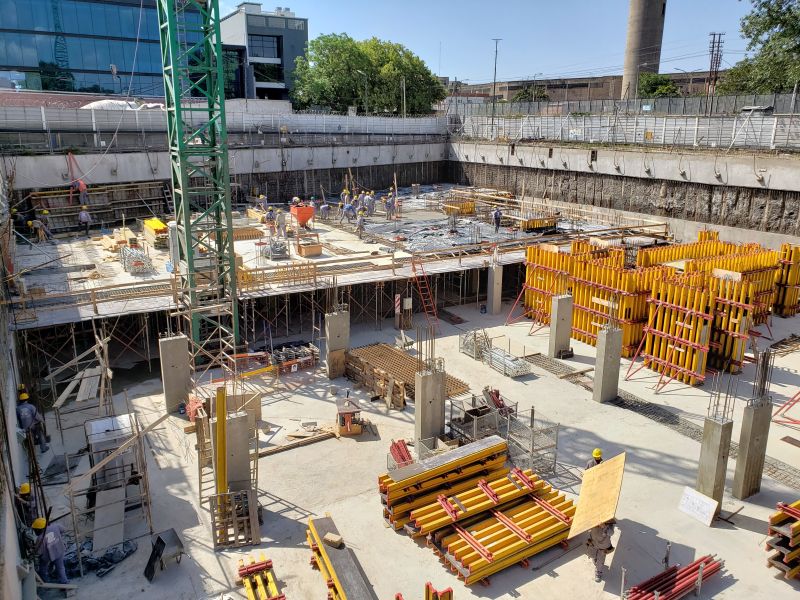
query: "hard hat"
280, 210
25, 488
597, 453
45, 212
261, 195
313, 197
345, 190
24, 396
39, 523
13, 210
295, 199
30, 223
84, 207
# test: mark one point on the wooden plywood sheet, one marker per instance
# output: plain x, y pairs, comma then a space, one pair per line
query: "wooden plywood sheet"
599, 495
109, 519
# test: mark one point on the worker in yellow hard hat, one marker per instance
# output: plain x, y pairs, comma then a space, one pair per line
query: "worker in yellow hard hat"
31, 420
50, 543
597, 458
280, 222
25, 503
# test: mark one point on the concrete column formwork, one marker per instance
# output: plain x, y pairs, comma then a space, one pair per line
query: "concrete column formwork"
752, 450
429, 398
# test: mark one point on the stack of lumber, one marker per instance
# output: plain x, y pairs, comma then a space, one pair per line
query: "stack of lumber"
419, 484
784, 540
120, 237
155, 233
396, 364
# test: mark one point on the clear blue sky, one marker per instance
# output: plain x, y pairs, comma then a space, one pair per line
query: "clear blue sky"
555, 37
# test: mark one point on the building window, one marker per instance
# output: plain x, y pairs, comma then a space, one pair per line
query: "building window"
256, 21
297, 24
264, 46
276, 23
265, 73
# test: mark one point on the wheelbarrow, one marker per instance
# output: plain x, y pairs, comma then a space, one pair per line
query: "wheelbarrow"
166, 545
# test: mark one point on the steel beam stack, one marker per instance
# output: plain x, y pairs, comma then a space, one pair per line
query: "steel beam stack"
787, 280
258, 579
676, 582
784, 540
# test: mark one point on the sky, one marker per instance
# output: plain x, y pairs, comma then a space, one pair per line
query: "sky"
557, 38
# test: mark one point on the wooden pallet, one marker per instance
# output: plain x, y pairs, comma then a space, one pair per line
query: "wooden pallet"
234, 519
401, 366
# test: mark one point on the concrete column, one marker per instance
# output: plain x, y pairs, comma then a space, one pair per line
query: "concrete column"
429, 397
237, 450
474, 281
714, 458
560, 327
337, 342
175, 370
752, 450
606, 370
494, 291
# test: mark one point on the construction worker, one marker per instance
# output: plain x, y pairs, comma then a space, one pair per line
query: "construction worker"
348, 211
389, 204
597, 458
262, 202
599, 545
45, 219
50, 543
80, 186
18, 220
345, 195
370, 201
497, 216
85, 219
25, 503
31, 420
280, 222
269, 219
40, 231
360, 200
324, 210
361, 222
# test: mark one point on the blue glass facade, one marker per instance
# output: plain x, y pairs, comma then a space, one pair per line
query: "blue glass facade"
70, 45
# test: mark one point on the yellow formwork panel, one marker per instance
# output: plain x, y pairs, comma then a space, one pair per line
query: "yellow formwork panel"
679, 327
648, 257
733, 319
705, 235
787, 281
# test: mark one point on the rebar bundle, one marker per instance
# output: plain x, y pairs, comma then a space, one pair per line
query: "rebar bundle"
135, 260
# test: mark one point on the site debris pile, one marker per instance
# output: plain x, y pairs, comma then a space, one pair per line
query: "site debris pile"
480, 516
683, 307
784, 529
787, 281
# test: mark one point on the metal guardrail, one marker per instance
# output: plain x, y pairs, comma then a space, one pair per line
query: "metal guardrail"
679, 105
741, 131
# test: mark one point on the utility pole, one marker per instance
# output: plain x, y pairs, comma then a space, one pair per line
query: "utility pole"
404, 97
494, 81
715, 58
366, 96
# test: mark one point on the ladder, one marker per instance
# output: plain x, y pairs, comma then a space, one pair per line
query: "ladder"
170, 204
428, 303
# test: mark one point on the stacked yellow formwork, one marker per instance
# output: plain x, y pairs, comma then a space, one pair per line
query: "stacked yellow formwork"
458, 206
733, 317
603, 291
648, 257
787, 282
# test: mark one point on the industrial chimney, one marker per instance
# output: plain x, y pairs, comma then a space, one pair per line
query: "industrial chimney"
643, 46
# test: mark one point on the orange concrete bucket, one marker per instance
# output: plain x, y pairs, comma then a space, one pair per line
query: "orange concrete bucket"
303, 214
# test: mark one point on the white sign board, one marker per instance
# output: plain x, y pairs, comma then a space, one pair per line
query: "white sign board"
698, 506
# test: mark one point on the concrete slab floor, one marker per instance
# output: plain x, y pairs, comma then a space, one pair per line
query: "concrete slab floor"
340, 477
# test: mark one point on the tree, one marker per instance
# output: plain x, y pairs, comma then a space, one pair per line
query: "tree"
55, 78
338, 72
653, 85
531, 94
772, 29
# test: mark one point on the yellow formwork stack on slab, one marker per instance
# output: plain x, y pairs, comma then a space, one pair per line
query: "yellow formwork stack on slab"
733, 317
787, 281
648, 257
545, 277
678, 328
603, 291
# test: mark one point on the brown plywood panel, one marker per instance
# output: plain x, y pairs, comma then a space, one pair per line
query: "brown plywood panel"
599, 495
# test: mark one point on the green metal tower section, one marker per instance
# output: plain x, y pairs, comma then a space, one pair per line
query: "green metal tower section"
198, 145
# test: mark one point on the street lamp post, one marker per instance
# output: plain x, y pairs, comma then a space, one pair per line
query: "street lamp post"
494, 82
366, 93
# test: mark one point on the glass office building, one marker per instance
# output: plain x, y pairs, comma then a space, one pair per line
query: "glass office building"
88, 46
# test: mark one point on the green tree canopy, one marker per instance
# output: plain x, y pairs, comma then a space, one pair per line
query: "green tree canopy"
335, 68
531, 94
772, 29
653, 85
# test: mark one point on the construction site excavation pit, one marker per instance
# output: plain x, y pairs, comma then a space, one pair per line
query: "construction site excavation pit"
376, 367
